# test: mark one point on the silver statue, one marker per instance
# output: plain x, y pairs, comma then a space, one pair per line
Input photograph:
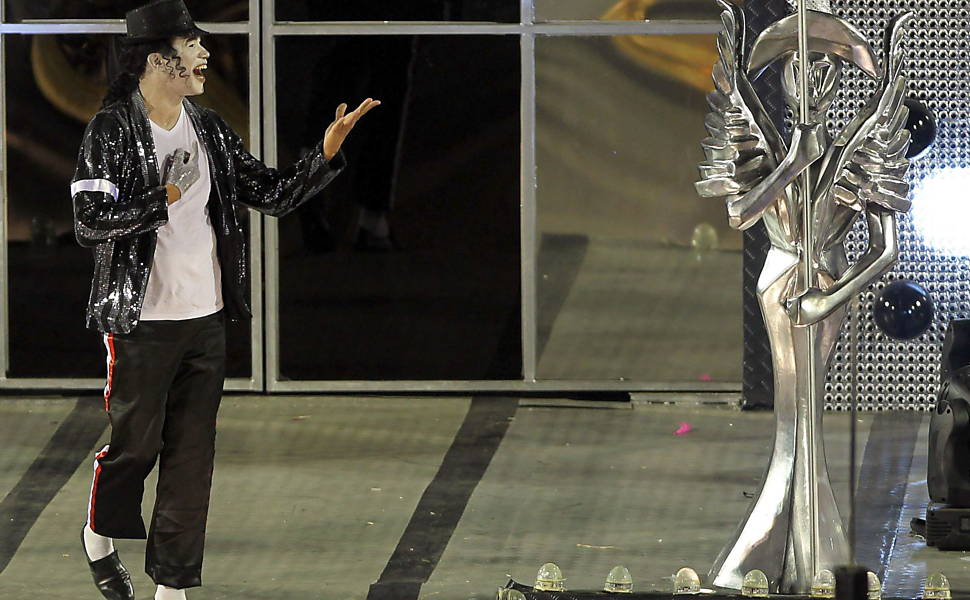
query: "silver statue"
793, 529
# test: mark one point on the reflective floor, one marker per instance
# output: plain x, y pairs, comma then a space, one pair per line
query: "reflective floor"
416, 497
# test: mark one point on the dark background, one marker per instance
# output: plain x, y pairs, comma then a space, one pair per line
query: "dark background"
445, 145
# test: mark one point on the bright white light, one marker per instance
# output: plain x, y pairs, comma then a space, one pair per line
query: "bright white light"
941, 211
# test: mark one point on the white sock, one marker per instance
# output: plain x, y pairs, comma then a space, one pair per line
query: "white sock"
163, 592
97, 546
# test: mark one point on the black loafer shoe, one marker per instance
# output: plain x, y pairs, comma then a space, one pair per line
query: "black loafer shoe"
110, 576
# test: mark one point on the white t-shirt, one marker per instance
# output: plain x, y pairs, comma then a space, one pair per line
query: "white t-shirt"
186, 280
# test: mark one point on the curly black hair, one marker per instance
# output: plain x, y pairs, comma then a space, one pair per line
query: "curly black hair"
127, 63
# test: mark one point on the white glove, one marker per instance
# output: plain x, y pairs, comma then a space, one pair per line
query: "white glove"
182, 168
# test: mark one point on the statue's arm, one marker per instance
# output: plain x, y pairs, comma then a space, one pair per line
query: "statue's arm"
815, 304
806, 147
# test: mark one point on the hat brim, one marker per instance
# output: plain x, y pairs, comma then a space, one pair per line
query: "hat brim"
188, 33
826, 34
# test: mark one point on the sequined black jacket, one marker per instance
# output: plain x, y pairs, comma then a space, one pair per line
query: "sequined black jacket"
119, 203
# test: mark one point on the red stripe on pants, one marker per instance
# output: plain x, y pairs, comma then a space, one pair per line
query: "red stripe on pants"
94, 486
110, 340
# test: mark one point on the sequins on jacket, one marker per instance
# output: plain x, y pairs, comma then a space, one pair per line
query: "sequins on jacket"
119, 203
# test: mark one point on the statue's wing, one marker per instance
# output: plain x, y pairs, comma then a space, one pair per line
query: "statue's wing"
739, 150
875, 172
871, 165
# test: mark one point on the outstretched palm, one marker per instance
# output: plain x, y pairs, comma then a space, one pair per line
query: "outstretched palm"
342, 124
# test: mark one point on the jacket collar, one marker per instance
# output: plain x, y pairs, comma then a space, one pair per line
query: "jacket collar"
145, 141
207, 139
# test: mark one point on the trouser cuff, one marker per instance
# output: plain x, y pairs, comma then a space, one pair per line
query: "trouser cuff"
175, 576
116, 532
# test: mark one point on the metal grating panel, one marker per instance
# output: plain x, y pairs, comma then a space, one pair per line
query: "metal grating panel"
891, 374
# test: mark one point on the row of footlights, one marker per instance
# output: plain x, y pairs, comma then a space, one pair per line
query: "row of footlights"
754, 585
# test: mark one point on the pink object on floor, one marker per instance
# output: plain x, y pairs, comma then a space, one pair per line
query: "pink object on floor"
684, 429
706, 378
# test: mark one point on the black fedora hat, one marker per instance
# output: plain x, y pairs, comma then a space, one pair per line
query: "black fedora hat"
158, 20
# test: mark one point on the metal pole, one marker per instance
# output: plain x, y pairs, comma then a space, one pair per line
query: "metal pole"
4, 211
528, 210
854, 313
271, 261
808, 277
256, 347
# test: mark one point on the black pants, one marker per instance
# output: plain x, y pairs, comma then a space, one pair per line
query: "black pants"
164, 386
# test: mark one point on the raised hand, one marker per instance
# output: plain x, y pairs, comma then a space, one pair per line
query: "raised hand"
342, 124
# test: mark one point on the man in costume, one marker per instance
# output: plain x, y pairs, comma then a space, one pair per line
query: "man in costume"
155, 193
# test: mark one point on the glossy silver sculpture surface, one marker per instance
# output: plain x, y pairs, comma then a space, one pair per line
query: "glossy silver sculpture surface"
793, 528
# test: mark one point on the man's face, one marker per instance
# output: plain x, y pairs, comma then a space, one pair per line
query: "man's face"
187, 69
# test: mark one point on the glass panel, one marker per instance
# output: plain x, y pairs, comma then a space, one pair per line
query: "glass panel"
396, 10
624, 10
439, 162
639, 278
54, 85
201, 10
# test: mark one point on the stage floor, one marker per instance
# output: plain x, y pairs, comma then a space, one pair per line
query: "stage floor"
414, 497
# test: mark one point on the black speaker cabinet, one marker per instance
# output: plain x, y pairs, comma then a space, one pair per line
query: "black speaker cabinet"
948, 460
